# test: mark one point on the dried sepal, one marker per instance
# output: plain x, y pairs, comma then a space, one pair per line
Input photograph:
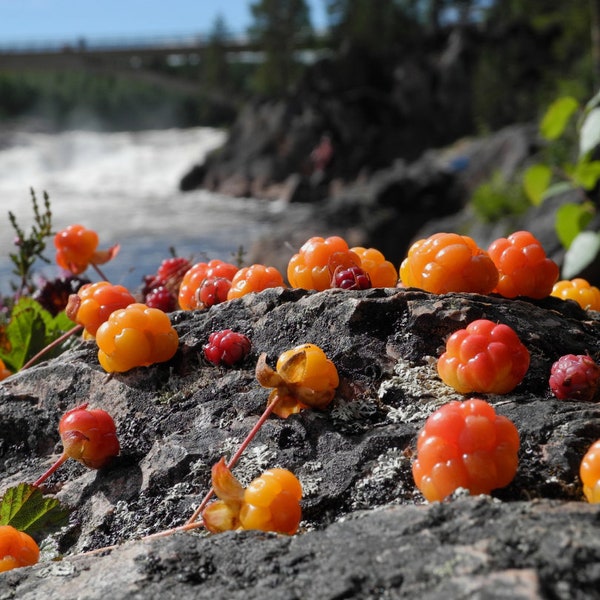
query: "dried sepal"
285, 404
220, 516
265, 375
226, 486
101, 257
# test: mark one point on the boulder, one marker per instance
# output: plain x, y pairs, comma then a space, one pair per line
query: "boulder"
366, 531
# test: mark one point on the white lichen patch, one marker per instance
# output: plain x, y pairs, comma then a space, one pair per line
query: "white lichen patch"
350, 411
385, 474
423, 391
311, 480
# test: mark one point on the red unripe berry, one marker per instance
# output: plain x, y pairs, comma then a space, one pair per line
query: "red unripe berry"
160, 297
17, 549
485, 357
465, 445
226, 347
192, 280
171, 271
351, 278
89, 436
575, 377
213, 291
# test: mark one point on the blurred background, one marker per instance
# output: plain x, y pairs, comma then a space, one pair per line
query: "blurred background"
206, 126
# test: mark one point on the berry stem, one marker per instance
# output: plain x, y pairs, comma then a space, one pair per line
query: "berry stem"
266, 413
100, 273
51, 346
63, 457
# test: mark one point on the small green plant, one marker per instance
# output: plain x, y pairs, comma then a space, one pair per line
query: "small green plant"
580, 173
30, 246
499, 197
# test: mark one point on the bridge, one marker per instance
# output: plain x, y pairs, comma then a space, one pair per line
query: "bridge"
144, 58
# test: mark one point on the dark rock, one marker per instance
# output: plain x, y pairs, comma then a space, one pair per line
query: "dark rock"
366, 530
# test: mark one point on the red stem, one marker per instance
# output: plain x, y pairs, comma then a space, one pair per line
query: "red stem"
51, 346
63, 457
100, 273
236, 456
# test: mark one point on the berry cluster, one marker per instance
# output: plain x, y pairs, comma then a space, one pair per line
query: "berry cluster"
135, 336
465, 445
76, 249
484, 357
578, 290
270, 503
575, 377
194, 277
448, 262
226, 347
161, 289
589, 472
254, 278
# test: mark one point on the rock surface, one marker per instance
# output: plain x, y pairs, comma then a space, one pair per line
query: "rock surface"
366, 530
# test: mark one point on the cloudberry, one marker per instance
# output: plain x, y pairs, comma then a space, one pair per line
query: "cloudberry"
310, 268
226, 347
579, 290
485, 357
4, 372
381, 271
195, 275
575, 377
351, 278
524, 269
254, 278
465, 445
270, 503
89, 436
304, 377
135, 336
448, 262
95, 302
213, 291
76, 249
589, 473
17, 549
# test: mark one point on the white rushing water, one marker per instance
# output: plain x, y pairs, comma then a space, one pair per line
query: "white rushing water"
125, 187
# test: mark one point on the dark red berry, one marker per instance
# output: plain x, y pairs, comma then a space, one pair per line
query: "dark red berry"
351, 278
54, 295
226, 347
161, 298
172, 270
213, 291
575, 377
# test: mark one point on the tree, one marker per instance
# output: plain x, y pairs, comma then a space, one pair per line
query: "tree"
277, 28
216, 67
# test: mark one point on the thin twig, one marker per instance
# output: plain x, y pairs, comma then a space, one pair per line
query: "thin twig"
57, 342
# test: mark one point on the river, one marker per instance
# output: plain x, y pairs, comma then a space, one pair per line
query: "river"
124, 185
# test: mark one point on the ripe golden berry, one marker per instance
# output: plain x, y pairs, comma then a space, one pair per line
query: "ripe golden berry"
578, 290
589, 472
448, 262
17, 549
381, 271
254, 278
135, 336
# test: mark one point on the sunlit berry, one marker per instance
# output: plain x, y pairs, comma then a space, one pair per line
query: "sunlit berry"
448, 262
575, 377
304, 377
135, 336
310, 267
579, 290
381, 271
17, 549
89, 436
589, 472
523, 267
254, 278
76, 249
4, 371
485, 357
351, 278
465, 445
95, 302
213, 291
193, 278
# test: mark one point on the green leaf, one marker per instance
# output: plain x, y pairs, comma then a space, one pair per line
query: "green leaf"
582, 252
536, 181
557, 117
589, 135
586, 174
27, 509
571, 219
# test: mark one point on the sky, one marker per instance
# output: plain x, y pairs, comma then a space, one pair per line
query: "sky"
58, 20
